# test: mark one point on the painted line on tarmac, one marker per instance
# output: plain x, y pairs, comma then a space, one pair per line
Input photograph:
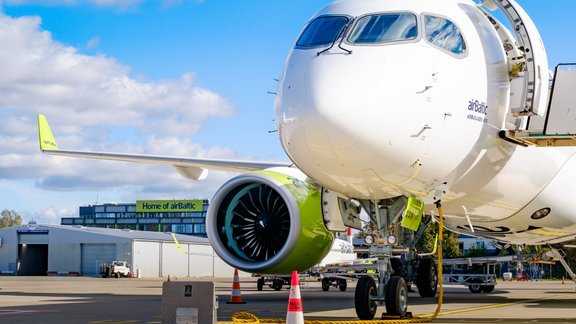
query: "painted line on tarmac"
472, 309
21, 312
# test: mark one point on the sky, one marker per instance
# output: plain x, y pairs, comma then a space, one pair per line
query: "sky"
192, 78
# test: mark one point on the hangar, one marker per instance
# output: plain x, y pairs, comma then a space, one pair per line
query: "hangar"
39, 250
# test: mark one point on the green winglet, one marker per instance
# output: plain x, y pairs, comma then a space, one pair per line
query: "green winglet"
47, 141
178, 246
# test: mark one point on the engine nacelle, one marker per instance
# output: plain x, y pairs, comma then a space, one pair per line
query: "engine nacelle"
268, 222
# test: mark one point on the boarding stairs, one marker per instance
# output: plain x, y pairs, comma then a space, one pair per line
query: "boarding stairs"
558, 126
558, 255
536, 120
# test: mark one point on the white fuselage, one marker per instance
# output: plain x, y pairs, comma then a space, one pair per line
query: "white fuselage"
340, 252
409, 118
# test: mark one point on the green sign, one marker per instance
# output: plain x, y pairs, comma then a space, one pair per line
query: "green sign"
413, 214
168, 206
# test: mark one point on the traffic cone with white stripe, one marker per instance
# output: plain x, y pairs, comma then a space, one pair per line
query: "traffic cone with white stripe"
295, 314
236, 297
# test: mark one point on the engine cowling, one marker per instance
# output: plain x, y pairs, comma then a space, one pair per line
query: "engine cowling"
268, 222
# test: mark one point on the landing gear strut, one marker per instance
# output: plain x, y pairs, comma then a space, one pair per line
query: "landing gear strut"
394, 274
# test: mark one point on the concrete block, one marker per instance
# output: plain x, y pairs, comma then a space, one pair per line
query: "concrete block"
188, 302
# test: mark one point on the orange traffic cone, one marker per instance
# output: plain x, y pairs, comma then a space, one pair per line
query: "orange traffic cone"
295, 314
168, 278
562, 279
236, 297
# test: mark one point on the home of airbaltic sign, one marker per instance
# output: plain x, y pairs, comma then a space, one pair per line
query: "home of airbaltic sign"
168, 206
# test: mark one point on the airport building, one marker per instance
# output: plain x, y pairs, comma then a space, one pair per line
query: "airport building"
176, 216
39, 250
468, 244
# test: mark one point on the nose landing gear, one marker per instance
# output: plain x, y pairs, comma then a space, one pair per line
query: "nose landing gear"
389, 285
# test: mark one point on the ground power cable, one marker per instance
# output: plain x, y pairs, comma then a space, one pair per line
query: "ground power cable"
249, 318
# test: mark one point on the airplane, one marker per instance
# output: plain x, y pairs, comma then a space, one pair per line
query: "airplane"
397, 108
341, 253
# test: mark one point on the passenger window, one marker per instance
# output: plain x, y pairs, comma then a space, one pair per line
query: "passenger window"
321, 31
443, 33
384, 28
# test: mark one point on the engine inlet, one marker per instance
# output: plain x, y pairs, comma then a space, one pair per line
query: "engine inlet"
255, 222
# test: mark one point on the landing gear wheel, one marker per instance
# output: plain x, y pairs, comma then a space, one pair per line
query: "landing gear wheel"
488, 289
363, 298
260, 284
325, 284
476, 286
342, 284
277, 284
427, 278
396, 297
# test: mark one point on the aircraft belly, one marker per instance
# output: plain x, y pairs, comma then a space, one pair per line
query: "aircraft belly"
503, 209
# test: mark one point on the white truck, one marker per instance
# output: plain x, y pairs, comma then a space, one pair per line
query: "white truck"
115, 269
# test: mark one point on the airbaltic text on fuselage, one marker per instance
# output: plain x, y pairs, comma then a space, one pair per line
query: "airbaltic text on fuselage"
168, 206
476, 107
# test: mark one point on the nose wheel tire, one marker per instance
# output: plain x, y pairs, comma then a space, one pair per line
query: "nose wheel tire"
363, 298
396, 297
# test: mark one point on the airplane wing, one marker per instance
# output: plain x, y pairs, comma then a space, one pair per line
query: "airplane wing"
191, 168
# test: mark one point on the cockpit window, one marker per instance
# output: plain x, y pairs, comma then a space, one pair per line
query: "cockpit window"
444, 33
382, 28
322, 31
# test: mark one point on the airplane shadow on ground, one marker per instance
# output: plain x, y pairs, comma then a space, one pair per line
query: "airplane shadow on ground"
80, 308
67, 307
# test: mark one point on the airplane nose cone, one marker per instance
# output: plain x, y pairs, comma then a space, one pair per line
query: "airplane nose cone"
343, 123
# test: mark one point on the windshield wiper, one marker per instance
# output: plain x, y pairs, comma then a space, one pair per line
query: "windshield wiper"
341, 37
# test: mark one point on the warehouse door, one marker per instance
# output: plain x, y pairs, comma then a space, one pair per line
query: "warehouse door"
95, 254
32, 253
32, 259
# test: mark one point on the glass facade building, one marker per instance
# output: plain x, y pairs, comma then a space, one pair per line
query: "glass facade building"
176, 216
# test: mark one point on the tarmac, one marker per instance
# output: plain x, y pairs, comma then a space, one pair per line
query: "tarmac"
124, 300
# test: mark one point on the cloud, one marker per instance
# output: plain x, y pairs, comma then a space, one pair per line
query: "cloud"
93, 103
41, 75
50, 215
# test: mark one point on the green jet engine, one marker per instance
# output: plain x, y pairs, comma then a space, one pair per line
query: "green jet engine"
269, 222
